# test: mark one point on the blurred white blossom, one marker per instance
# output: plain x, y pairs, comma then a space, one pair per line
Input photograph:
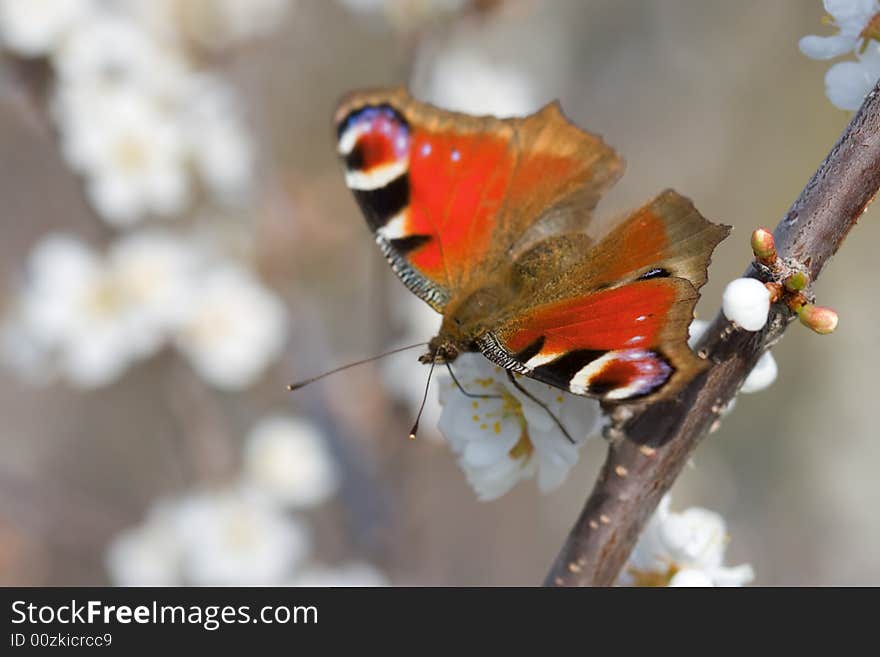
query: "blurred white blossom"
24, 353
33, 28
466, 81
222, 23
287, 459
77, 307
148, 554
858, 22
762, 375
406, 14
225, 537
234, 328
350, 574
135, 117
88, 315
507, 438
746, 301
111, 51
234, 537
683, 549
221, 150
131, 155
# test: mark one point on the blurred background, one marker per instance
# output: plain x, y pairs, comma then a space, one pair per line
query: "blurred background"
178, 243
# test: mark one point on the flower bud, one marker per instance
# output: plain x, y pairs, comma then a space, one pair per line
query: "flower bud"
764, 246
818, 318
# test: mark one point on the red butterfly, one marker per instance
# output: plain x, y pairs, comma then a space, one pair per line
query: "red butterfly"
485, 220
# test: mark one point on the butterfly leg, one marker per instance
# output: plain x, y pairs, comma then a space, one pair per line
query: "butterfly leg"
472, 395
539, 403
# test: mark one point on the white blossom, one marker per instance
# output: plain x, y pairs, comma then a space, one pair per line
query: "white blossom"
220, 147
77, 308
465, 81
746, 301
148, 554
287, 459
234, 537
349, 574
406, 14
858, 22
234, 328
509, 437
221, 23
136, 120
683, 549
112, 51
131, 154
851, 17
33, 28
89, 316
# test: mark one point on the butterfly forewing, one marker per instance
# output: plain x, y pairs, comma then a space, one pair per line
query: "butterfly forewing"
451, 197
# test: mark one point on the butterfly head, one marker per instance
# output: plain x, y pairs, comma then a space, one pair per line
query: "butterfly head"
441, 349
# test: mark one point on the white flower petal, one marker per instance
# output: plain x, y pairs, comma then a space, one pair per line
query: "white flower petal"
847, 84
483, 453
690, 544
848, 11
34, 28
734, 576
818, 47
234, 537
287, 459
350, 574
146, 555
691, 577
488, 436
234, 330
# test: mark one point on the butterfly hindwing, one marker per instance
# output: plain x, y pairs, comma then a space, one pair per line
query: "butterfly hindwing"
451, 197
613, 325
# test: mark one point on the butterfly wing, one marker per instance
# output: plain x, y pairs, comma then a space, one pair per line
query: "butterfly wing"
612, 323
452, 197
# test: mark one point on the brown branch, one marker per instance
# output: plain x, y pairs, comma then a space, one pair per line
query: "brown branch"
655, 442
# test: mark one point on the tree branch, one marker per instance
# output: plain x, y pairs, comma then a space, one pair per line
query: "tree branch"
655, 442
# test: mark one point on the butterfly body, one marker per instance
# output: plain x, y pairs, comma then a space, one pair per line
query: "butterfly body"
488, 221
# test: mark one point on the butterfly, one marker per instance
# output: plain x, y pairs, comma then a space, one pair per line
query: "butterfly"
488, 221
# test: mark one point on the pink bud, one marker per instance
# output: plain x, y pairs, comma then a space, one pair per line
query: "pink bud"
818, 318
764, 246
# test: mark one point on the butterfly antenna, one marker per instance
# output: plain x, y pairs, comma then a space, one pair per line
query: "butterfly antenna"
539, 403
415, 427
472, 395
300, 384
